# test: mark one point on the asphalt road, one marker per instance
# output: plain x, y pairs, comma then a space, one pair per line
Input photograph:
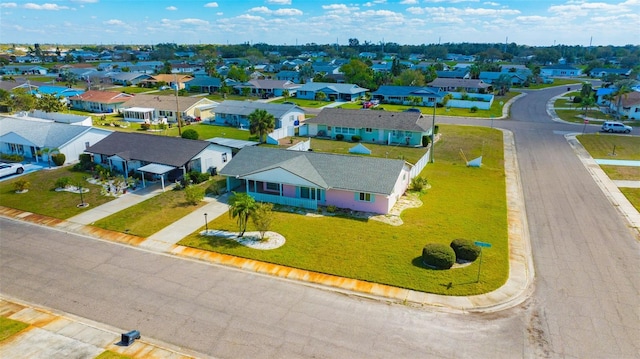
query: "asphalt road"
585, 303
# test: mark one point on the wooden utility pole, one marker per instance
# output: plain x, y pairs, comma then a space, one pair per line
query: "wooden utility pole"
178, 107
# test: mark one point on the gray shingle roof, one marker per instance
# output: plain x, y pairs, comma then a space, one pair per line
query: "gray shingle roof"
328, 171
172, 151
43, 134
339, 88
403, 121
165, 102
245, 108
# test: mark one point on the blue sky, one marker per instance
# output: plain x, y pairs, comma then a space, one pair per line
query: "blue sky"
290, 22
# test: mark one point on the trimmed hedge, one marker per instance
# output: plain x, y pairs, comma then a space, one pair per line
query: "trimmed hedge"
58, 158
465, 249
438, 255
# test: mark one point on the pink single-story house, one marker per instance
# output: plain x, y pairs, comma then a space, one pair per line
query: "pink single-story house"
311, 179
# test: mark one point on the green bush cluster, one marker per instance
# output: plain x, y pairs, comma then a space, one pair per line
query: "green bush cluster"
58, 158
339, 137
63, 182
190, 134
419, 184
465, 249
425, 141
197, 177
356, 138
439, 256
12, 157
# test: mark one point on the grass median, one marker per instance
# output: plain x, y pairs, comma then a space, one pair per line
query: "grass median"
463, 202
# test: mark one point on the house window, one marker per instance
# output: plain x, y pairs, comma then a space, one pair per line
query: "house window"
224, 157
364, 197
368, 129
16, 148
328, 128
270, 186
86, 145
308, 193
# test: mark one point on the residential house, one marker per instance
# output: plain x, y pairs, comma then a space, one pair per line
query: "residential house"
28, 136
491, 77
560, 71
170, 80
100, 101
128, 78
287, 75
404, 94
288, 117
454, 74
268, 88
205, 84
332, 91
383, 127
603, 95
12, 69
468, 85
311, 179
382, 66
162, 108
604, 72
629, 105
166, 157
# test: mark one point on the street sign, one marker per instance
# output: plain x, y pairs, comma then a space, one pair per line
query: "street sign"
482, 244
586, 121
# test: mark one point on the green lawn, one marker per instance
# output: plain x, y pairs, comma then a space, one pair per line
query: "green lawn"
495, 110
557, 82
595, 116
150, 216
601, 146
9, 327
627, 173
633, 195
462, 203
108, 354
43, 199
303, 102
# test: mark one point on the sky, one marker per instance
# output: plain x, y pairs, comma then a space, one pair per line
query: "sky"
297, 22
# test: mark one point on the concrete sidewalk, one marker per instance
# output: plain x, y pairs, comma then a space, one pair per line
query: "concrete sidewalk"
56, 335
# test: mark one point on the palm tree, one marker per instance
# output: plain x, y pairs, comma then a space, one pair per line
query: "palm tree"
623, 90
285, 94
242, 206
587, 103
261, 122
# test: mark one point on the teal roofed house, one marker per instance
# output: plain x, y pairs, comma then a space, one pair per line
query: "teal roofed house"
332, 91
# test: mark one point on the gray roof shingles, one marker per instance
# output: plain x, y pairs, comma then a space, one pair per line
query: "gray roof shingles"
402, 121
172, 151
245, 108
328, 171
43, 134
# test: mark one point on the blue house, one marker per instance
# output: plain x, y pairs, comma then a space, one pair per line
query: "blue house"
332, 91
491, 77
402, 94
204, 84
561, 71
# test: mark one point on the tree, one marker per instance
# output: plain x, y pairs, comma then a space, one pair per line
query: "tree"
586, 90
23, 100
357, 72
285, 94
262, 218
354, 42
69, 78
320, 96
410, 78
587, 103
415, 100
49, 103
261, 122
503, 84
193, 194
241, 206
623, 89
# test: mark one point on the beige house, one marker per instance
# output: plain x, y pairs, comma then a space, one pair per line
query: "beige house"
157, 108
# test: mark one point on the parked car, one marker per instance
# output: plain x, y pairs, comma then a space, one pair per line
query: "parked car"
612, 126
413, 110
7, 169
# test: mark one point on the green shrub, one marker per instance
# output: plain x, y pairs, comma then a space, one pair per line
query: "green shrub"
193, 194
12, 157
197, 177
58, 158
21, 185
473, 109
436, 128
339, 137
356, 138
465, 249
419, 184
425, 141
577, 99
439, 256
190, 134
331, 208
63, 182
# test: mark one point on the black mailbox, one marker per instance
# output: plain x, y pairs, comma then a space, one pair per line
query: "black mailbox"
128, 338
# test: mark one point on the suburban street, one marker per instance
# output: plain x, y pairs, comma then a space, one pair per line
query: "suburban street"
585, 302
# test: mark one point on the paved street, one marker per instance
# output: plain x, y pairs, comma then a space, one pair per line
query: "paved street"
585, 303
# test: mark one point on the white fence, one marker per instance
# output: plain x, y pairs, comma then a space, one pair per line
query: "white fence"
481, 101
301, 146
420, 165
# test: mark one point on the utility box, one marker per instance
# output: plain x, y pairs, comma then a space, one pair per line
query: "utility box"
128, 338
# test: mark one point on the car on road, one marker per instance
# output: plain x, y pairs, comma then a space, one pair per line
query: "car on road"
613, 126
7, 169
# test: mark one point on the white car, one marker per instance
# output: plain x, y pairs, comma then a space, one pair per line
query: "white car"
612, 126
7, 169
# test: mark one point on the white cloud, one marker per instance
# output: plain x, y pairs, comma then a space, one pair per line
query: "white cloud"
7, 5
415, 10
86, 1
114, 22
279, 12
339, 9
171, 8
409, 2
47, 6
262, 9
195, 22
211, 4
279, 2
450, 1
490, 3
